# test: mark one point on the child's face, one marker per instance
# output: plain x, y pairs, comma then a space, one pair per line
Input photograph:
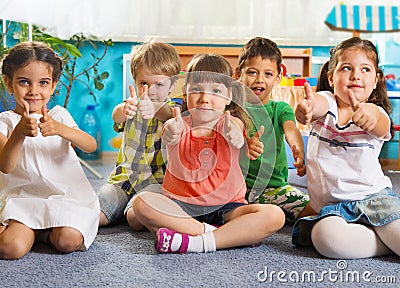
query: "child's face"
159, 86
260, 75
32, 84
354, 71
206, 101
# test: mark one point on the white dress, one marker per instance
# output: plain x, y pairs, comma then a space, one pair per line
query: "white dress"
48, 187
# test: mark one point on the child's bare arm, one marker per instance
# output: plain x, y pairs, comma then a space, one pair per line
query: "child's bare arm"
11, 147
127, 109
50, 127
173, 128
367, 116
295, 141
312, 107
254, 145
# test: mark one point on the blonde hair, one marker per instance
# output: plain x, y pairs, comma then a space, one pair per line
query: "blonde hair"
160, 58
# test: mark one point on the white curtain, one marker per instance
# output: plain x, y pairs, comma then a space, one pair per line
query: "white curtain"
289, 22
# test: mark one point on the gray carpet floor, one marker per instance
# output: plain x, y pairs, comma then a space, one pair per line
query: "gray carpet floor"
120, 257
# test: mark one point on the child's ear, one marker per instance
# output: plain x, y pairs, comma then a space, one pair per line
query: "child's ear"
8, 82
330, 80
237, 73
278, 78
229, 97
54, 86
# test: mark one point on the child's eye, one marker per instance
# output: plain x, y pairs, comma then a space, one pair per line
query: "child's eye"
366, 69
143, 84
44, 83
346, 68
251, 73
159, 85
217, 91
268, 74
194, 90
23, 82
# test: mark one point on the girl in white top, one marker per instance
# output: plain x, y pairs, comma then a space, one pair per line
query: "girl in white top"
44, 192
345, 180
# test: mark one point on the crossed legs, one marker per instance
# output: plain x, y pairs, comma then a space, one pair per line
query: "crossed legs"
333, 237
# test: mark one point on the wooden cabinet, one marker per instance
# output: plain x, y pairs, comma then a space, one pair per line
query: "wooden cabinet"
296, 60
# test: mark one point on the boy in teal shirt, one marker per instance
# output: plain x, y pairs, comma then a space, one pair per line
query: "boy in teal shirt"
266, 173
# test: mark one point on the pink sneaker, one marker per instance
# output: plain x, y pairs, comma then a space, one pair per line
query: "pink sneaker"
164, 237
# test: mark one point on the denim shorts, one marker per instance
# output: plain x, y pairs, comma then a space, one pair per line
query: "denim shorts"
377, 209
115, 202
209, 214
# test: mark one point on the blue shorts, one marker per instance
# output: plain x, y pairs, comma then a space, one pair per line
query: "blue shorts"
209, 214
115, 202
374, 210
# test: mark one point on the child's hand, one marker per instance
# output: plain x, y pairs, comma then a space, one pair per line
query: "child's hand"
130, 107
255, 146
366, 115
146, 106
232, 132
304, 110
298, 163
173, 128
27, 126
48, 126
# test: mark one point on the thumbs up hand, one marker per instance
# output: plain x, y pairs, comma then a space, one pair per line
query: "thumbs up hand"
27, 126
365, 115
146, 106
254, 145
48, 126
130, 106
173, 128
304, 110
232, 132
298, 163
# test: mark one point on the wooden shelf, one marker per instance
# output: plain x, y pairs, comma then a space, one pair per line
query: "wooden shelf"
296, 60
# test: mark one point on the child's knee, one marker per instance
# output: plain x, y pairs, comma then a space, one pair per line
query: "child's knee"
66, 239
133, 221
141, 208
273, 217
11, 249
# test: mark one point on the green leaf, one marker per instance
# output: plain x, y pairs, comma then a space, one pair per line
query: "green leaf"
104, 75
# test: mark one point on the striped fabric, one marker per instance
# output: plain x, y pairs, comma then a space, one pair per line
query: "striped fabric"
364, 18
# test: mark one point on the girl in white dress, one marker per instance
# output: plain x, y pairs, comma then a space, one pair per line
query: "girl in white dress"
44, 192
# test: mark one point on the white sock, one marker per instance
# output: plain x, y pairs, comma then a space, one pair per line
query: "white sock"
208, 227
208, 241
196, 244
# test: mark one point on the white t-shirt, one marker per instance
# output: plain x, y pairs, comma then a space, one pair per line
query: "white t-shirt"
342, 162
48, 187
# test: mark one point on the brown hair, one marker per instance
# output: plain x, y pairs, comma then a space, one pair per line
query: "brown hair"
25, 52
323, 82
263, 47
215, 68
